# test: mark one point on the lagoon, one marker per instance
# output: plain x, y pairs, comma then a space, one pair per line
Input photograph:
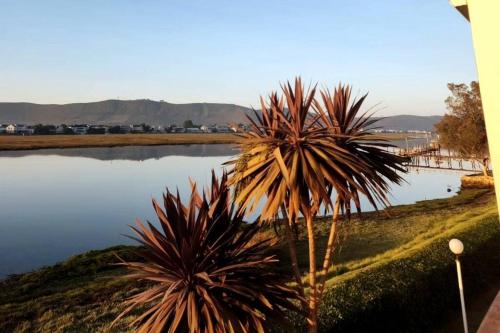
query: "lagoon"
55, 203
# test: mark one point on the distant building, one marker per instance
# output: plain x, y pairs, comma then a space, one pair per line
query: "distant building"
137, 129
244, 127
11, 129
19, 129
223, 129
80, 129
61, 129
125, 128
3, 129
97, 129
26, 130
208, 129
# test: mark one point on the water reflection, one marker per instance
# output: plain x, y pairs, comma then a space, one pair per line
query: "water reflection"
57, 203
132, 153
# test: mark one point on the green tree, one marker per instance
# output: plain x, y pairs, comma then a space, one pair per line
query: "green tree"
44, 129
463, 130
115, 130
67, 130
188, 123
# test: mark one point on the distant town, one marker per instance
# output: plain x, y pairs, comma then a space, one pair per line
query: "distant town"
187, 127
82, 129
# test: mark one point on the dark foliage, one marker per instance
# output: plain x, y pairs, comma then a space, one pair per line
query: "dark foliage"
463, 129
209, 272
413, 293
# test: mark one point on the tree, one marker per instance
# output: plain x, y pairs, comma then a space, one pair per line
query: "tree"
296, 157
67, 130
44, 129
115, 130
96, 130
188, 124
207, 270
147, 128
463, 129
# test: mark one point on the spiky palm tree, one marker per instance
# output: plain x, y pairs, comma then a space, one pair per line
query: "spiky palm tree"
296, 156
209, 272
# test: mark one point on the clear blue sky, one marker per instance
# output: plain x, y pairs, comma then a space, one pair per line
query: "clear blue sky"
401, 51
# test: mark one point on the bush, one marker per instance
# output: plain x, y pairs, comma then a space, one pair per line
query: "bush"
477, 181
412, 293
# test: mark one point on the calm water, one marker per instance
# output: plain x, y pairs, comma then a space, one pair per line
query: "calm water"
57, 203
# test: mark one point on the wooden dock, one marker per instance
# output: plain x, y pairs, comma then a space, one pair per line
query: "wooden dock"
431, 156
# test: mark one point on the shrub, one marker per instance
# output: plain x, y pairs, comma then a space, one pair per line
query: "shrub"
412, 293
209, 273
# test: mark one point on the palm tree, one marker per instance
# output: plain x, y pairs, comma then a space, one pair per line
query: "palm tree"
209, 273
296, 157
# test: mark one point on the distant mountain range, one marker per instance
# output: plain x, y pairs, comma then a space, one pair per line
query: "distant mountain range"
159, 113
409, 122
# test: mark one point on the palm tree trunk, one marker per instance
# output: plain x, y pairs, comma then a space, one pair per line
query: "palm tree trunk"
313, 301
293, 256
329, 251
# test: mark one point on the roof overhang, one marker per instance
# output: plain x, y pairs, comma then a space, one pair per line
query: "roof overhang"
461, 6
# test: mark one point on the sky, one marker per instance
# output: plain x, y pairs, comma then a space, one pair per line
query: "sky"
402, 52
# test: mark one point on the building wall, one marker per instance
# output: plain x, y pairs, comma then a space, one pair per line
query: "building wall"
484, 16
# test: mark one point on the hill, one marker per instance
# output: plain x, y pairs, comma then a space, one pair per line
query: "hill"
409, 122
121, 112
159, 113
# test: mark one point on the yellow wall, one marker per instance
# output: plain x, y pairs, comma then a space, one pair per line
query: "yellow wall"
484, 16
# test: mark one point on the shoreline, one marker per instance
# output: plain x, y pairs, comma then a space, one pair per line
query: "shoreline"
86, 292
36, 142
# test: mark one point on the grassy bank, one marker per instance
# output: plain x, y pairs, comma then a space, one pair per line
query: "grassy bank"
381, 273
15, 142
413, 288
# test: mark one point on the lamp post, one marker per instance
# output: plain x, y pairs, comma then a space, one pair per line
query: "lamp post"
457, 247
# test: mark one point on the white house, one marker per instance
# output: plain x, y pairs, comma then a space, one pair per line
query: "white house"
208, 129
19, 129
11, 129
137, 129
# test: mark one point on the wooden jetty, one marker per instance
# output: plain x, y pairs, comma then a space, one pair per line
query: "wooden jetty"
431, 156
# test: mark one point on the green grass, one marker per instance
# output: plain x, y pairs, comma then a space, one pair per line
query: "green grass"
382, 235
83, 294
413, 288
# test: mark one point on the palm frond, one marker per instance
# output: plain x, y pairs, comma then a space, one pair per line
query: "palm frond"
296, 155
208, 273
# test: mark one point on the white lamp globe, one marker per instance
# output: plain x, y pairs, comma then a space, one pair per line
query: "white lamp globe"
456, 246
